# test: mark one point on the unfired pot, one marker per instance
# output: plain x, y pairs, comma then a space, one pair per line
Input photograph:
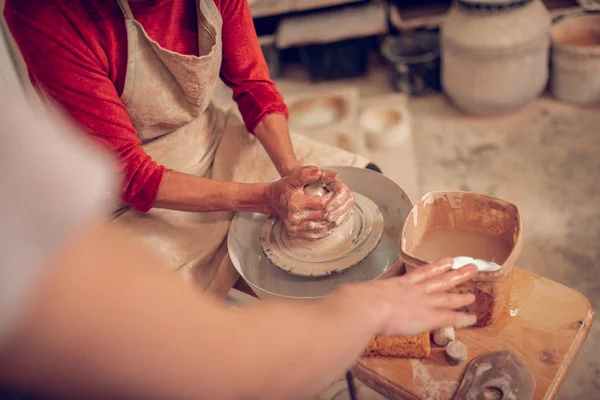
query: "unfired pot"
495, 54
576, 58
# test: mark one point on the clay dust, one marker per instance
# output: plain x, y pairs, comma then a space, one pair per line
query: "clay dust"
429, 386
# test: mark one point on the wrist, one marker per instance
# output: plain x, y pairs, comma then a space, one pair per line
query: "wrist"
288, 166
366, 302
252, 197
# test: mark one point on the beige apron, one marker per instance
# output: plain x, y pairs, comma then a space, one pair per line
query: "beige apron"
167, 96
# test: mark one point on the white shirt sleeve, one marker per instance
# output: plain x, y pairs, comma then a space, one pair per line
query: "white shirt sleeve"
51, 181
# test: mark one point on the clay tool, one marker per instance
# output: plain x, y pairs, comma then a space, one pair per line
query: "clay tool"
443, 336
501, 375
456, 352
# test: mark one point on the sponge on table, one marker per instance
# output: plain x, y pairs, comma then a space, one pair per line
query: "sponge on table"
410, 347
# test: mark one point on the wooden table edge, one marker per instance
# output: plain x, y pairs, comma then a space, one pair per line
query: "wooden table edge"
574, 350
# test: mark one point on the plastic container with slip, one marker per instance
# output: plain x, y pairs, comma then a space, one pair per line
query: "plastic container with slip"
474, 228
495, 54
576, 58
333, 44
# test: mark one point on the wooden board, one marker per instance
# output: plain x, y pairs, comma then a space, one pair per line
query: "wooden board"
546, 323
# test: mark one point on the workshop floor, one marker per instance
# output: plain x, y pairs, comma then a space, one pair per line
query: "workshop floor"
546, 160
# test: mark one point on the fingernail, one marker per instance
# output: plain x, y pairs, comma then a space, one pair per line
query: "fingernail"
467, 321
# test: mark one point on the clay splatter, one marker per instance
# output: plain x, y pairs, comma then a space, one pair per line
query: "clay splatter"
431, 387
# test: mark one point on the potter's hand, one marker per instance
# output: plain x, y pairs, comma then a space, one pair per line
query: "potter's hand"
418, 301
303, 216
339, 207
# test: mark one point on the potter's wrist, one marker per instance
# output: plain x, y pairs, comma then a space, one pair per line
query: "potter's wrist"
288, 166
252, 197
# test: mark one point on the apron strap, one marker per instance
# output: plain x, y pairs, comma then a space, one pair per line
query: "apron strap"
125, 9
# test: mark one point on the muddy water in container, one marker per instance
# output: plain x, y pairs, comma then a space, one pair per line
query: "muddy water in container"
456, 242
464, 224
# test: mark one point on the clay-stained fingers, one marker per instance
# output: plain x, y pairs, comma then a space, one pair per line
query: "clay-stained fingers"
305, 176
298, 201
346, 207
343, 218
453, 318
341, 194
435, 269
450, 301
297, 217
449, 280
328, 176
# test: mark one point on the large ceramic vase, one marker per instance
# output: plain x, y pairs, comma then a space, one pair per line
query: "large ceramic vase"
495, 54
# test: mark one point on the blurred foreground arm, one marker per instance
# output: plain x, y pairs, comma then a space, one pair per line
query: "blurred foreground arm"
85, 313
109, 321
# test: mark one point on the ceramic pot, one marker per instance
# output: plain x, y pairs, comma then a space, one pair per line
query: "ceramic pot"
576, 58
472, 212
495, 54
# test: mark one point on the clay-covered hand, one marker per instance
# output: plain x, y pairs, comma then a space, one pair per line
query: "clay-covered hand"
418, 301
339, 207
303, 216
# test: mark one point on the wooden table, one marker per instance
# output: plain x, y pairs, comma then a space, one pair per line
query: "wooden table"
546, 323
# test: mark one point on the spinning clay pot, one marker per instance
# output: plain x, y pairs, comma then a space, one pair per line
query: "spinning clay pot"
347, 244
270, 281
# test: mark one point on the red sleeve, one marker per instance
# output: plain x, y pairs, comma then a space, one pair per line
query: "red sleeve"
244, 68
63, 63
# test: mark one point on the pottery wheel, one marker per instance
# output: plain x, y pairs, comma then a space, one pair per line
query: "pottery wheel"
269, 281
346, 246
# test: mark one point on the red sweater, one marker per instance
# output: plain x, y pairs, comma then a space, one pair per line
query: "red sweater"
76, 51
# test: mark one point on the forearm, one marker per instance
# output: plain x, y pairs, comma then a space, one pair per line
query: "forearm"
184, 192
296, 349
273, 134
110, 322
